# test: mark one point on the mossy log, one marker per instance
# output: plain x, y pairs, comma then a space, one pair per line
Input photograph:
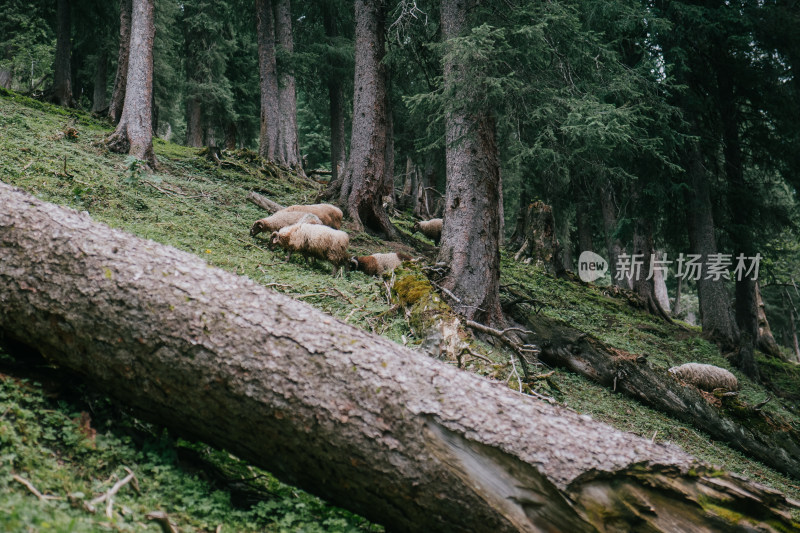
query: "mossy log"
751, 431
369, 425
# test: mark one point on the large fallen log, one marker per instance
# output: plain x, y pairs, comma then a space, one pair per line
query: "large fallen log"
350, 416
749, 430
263, 202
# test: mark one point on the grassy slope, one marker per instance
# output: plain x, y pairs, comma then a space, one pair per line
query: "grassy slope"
201, 209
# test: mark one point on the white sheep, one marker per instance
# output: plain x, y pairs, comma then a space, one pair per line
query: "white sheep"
330, 215
280, 220
377, 264
705, 377
315, 241
432, 229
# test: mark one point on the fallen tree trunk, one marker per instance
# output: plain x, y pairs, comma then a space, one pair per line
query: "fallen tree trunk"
352, 417
264, 203
748, 430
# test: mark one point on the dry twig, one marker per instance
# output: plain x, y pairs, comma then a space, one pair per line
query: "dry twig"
28, 485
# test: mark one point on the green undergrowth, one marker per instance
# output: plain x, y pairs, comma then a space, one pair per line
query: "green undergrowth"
199, 206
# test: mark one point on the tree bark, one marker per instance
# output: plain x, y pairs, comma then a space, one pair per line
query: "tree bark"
134, 133
336, 98
270, 100
218, 357
739, 425
121, 78
62, 68
230, 136
716, 311
470, 242
676, 307
660, 287
194, 123
99, 99
288, 152
366, 171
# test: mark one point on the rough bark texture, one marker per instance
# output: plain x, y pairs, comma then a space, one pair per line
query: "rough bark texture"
270, 111
716, 311
62, 75
99, 98
336, 98
364, 179
470, 242
134, 133
194, 123
660, 287
353, 417
288, 152
121, 78
772, 442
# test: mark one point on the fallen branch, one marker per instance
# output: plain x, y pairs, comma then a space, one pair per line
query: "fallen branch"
162, 519
264, 203
28, 485
109, 495
512, 342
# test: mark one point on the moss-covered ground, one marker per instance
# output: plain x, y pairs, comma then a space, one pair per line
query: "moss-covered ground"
200, 207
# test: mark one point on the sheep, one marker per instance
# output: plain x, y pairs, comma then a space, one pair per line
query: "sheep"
377, 264
315, 241
330, 215
705, 377
281, 219
432, 229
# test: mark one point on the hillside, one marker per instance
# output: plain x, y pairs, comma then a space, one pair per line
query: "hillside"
200, 207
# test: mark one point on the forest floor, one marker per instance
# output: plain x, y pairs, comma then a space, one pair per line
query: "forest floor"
64, 438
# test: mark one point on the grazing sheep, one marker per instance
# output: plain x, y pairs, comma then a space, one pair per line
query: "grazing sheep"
377, 264
280, 220
706, 377
330, 215
432, 229
315, 241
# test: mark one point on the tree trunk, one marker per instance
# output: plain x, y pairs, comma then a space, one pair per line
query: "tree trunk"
62, 68
540, 244
288, 152
366, 171
194, 123
6, 77
660, 286
470, 242
230, 136
134, 133
217, 357
270, 100
388, 172
738, 424
613, 244
644, 249
336, 98
716, 312
121, 78
99, 99
584, 230
766, 341
740, 201
676, 307
795, 345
